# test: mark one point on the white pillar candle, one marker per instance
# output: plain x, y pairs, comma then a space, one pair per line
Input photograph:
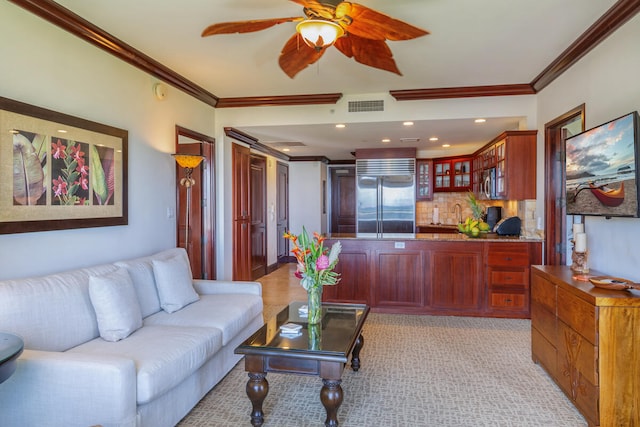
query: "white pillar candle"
581, 242
578, 228
436, 216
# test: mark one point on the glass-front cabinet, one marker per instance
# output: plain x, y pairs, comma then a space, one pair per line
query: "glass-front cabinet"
452, 174
424, 178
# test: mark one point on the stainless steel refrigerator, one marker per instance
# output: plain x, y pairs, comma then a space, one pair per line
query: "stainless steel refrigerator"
386, 197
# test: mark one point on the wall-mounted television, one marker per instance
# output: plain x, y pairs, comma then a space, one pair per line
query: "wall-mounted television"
602, 169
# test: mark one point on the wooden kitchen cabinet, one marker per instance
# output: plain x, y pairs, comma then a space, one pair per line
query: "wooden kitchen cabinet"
443, 276
355, 277
456, 278
398, 278
512, 155
424, 179
588, 340
452, 174
507, 276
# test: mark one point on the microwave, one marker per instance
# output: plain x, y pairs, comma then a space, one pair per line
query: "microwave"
488, 187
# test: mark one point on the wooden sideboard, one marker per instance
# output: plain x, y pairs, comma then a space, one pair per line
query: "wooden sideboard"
588, 340
444, 276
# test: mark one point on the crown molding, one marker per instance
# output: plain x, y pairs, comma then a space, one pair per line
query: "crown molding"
462, 92
613, 19
62, 17
270, 101
253, 142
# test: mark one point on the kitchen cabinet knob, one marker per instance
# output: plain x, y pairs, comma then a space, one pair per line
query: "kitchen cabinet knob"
508, 258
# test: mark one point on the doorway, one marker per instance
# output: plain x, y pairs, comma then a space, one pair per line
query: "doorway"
555, 133
200, 246
282, 211
343, 200
258, 195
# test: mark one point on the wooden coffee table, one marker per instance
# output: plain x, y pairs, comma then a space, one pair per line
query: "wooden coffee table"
321, 350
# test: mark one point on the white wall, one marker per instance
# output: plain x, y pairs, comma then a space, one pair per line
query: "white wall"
45, 66
607, 80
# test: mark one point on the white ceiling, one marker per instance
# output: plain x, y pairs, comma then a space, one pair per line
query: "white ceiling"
472, 42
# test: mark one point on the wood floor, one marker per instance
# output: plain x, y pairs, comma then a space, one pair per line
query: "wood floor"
280, 288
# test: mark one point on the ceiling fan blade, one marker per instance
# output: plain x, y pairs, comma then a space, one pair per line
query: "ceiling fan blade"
374, 53
296, 56
245, 26
371, 24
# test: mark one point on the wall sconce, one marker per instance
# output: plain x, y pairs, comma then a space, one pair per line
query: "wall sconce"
188, 162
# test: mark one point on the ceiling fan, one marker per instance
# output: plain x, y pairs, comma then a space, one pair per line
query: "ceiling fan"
355, 30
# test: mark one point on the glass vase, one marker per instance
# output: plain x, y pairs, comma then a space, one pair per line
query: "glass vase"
314, 302
315, 337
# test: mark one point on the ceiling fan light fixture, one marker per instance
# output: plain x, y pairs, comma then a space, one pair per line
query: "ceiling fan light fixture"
319, 33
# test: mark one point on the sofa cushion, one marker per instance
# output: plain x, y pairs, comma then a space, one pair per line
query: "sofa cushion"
52, 313
174, 283
228, 312
141, 271
116, 304
164, 355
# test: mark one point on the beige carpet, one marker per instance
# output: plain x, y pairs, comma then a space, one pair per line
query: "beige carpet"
416, 371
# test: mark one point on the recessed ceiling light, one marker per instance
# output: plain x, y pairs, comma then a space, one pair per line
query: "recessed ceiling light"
286, 149
433, 138
408, 123
62, 131
446, 145
386, 140
480, 120
341, 126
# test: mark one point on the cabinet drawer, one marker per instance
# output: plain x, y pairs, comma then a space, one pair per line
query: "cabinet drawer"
501, 300
577, 314
508, 259
577, 371
543, 352
543, 292
508, 277
544, 321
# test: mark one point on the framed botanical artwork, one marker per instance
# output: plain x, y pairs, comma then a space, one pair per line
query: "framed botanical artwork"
59, 171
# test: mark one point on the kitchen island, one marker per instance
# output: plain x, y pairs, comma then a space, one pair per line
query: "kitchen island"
437, 273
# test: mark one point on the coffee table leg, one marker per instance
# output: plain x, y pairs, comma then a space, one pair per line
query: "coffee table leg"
257, 389
331, 398
355, 354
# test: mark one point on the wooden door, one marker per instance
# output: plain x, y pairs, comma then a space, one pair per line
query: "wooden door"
201, 245
258, 197
282, 210
241, 159
343, 200
554, 203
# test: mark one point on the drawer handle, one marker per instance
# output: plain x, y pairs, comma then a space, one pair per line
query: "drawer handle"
508, 300
507, 258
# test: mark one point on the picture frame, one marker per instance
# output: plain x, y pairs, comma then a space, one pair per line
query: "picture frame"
58, 171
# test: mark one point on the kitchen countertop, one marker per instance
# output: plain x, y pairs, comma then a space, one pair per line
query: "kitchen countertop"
441, 237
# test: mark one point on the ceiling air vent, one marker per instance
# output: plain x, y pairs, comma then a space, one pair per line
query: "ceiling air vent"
366, 106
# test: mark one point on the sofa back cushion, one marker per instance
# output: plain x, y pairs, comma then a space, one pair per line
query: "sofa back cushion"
53, 312
116, 304
141, 272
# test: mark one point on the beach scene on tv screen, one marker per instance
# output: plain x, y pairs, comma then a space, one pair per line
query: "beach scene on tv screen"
601, 170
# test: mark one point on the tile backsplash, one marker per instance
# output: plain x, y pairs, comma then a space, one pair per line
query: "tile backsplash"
448, 213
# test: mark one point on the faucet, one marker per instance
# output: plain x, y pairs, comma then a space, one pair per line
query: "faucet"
458, 208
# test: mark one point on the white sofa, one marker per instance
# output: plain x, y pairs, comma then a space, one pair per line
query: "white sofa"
150, 373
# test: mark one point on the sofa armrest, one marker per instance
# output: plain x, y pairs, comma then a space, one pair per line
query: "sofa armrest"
62, 388
210, 287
